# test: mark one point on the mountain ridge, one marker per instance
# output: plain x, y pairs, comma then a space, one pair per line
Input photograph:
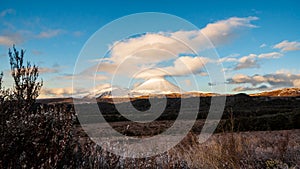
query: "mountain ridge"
284, 92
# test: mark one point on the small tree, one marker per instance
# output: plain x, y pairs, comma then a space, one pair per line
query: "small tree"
30, 136
17, 123
26, 87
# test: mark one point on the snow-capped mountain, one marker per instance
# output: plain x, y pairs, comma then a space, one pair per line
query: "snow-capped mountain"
153, 86
109, 92
157, 85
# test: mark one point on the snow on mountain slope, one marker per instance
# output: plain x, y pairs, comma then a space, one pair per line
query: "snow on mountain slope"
109, 92
157, 85
285, 92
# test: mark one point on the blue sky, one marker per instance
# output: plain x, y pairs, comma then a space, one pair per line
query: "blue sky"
53, 34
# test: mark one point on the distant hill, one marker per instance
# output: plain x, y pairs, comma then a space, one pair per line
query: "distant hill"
121, 95
55, 100
285, 92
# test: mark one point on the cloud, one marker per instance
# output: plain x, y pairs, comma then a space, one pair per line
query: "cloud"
182, 66
90, 76
288, 71
187, 65
49, 33
247, 62
296, 83
228, 59
36, 52
150, 50
78, 33
285, 46
7, 12
263, 45
242, 89
218, 33
8, 39
67, 92
146, 52
56, 92
221, 31
147, 48
62, 92
47, 92
273, 79
188, 82
239, 78
270, 55
55, 68
45, 70
203, 74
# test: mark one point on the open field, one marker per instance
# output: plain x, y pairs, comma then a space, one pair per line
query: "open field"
256, 149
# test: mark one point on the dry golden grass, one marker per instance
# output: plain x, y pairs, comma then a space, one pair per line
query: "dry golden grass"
259, 149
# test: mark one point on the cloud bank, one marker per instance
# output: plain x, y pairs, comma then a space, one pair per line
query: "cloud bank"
146, 52
258, 82
286, 45
251, 60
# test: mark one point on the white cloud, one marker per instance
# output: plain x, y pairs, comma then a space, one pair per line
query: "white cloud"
188, 82
263, 45
221, 31
203, 74
273, 79
56, 92
270, 55
5, 40
240, 78
7, 12
49, 33
10, 39
243, 88
285, 46
247, 62
63, 92
78, 33
182, 66
288, 71
218, 33
147, 51
86, 76
187, 65
296, 83
228, 59
45, 70
36, 52
250, 61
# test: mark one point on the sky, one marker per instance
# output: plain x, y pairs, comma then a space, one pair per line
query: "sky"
256, 44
